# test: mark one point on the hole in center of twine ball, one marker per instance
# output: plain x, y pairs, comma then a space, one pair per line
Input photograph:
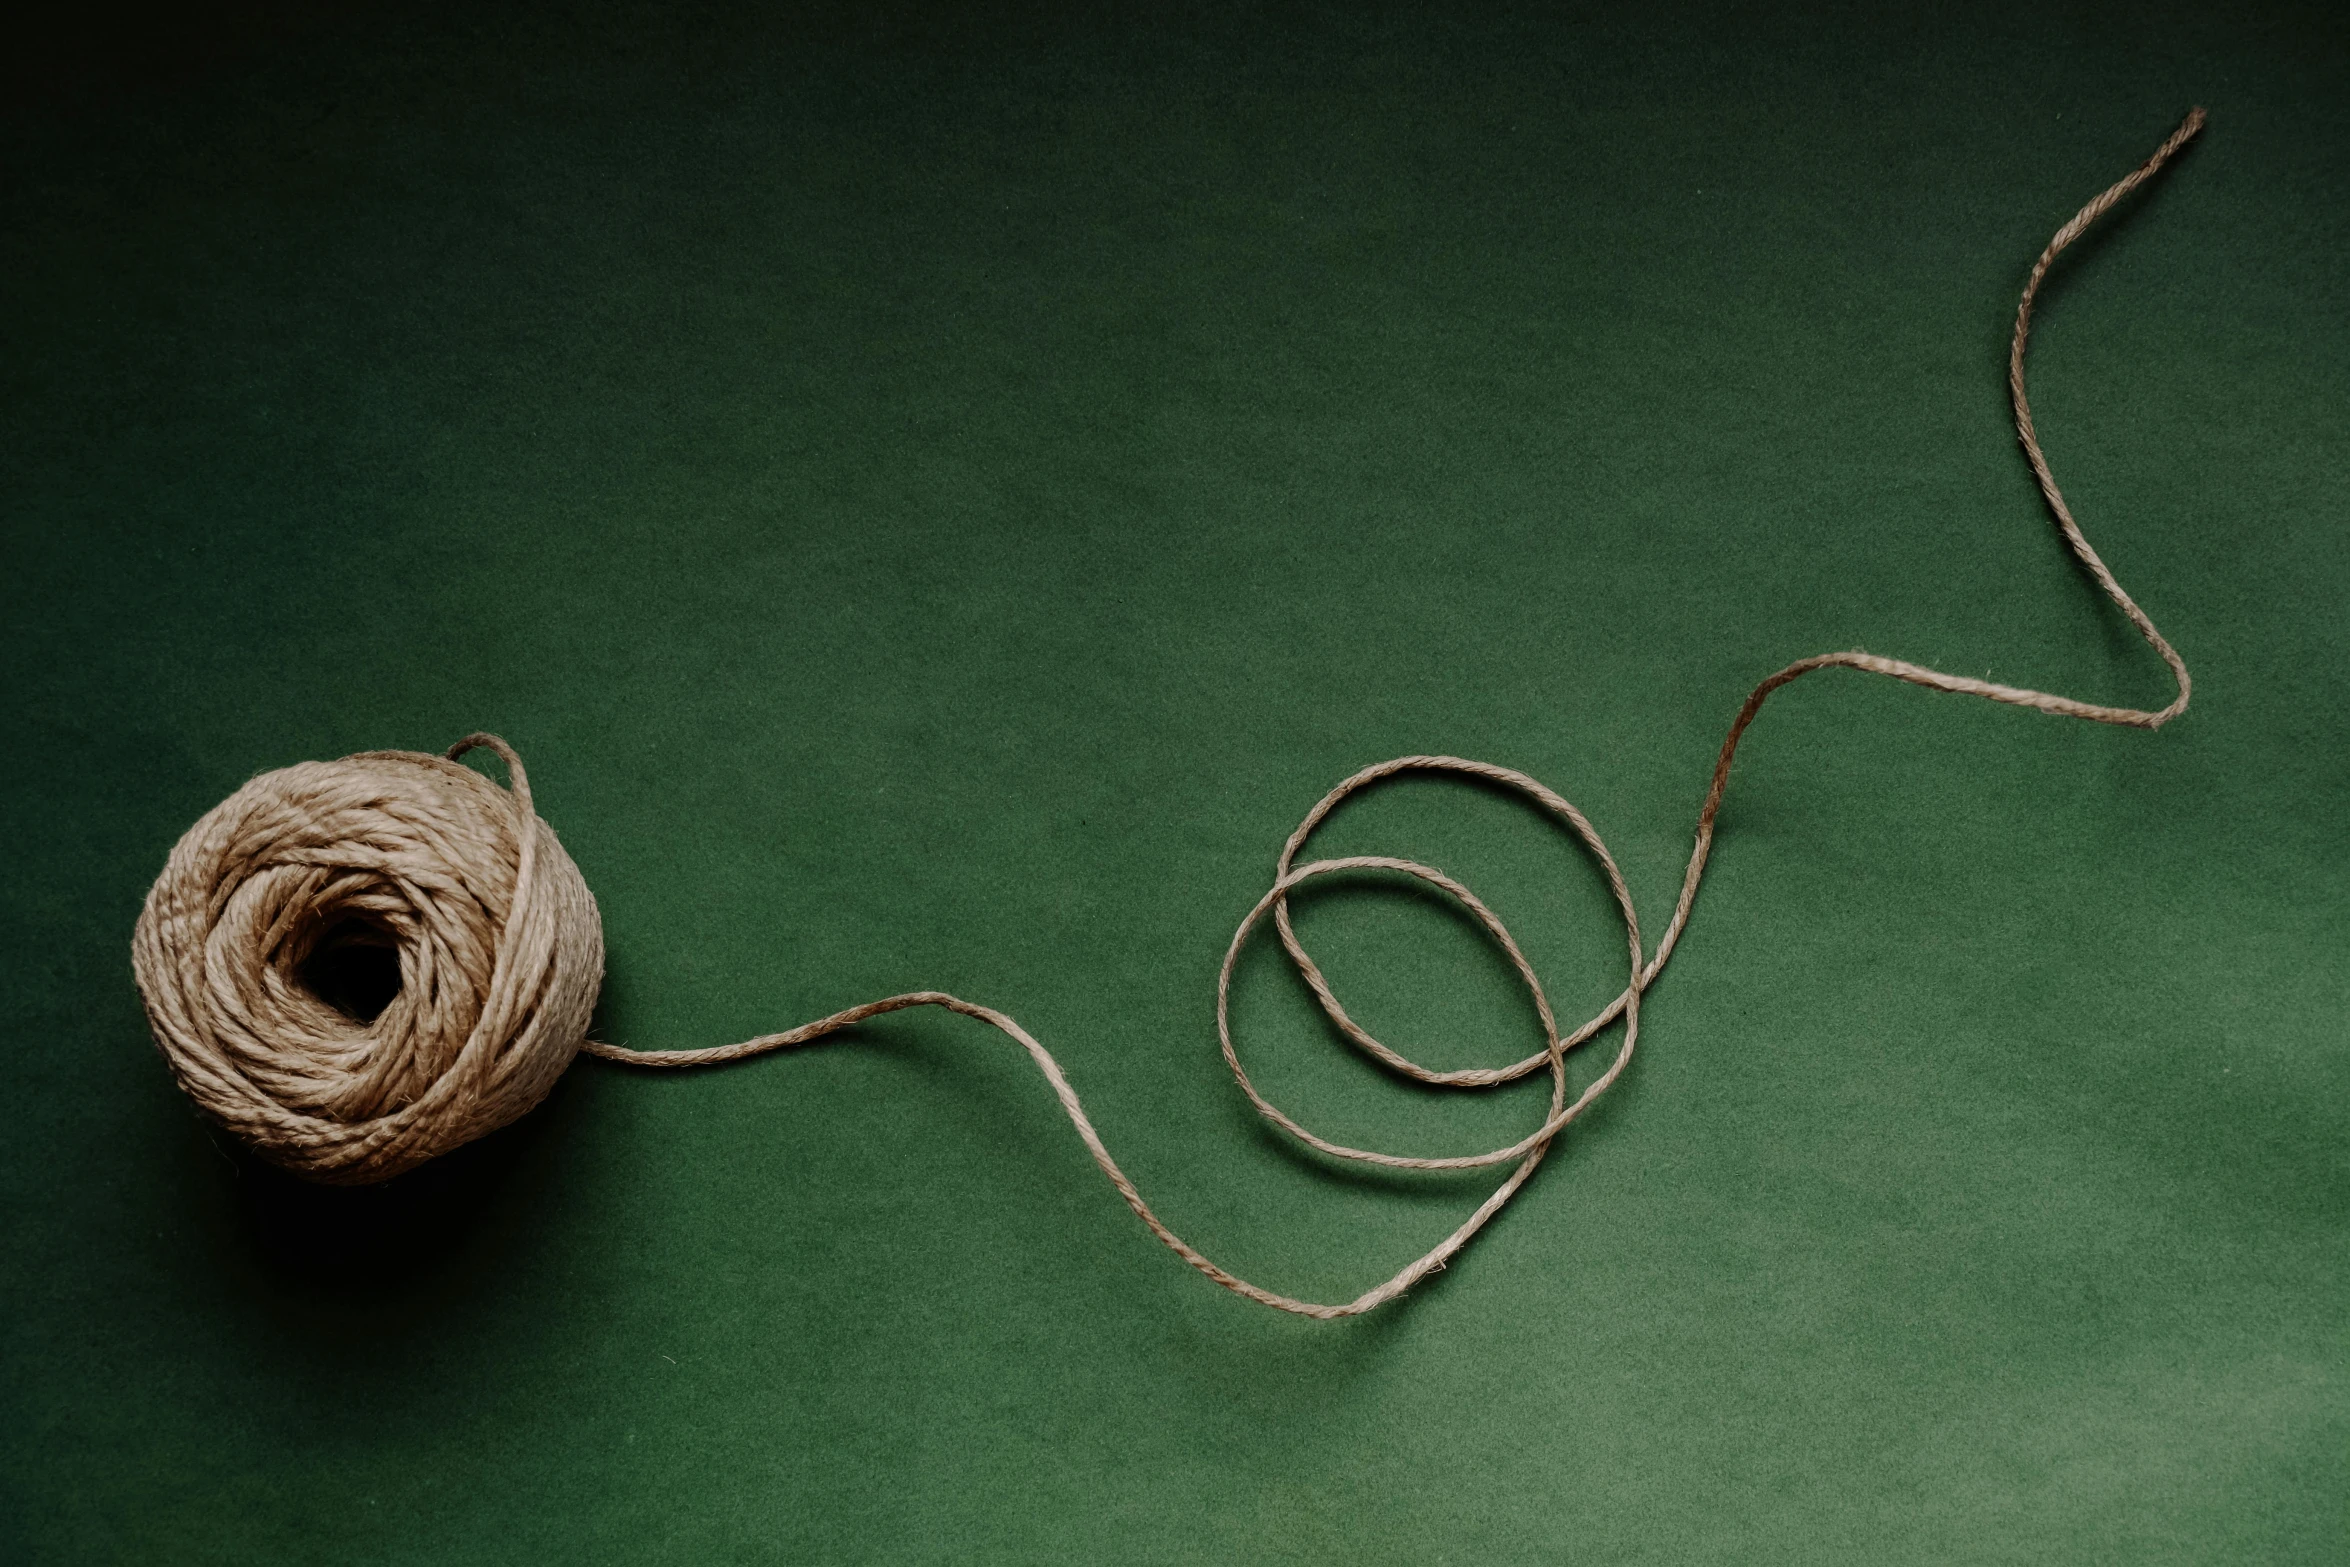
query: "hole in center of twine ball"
354, 968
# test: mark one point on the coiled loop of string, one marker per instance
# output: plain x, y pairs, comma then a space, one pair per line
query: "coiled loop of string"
1529, 1150
500, 941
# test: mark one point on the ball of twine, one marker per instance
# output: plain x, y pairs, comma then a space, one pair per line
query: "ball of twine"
395, 855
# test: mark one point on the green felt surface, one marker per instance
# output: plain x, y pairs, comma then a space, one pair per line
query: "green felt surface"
935, 496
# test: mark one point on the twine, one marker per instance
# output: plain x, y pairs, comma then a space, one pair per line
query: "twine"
500, 949
499, 945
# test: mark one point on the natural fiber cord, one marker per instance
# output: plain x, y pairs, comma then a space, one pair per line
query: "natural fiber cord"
500, 949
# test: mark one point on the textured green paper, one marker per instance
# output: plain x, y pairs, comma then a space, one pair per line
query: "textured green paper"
935, 495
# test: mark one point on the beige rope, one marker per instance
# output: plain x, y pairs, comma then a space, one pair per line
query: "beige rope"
499, 946
501, 951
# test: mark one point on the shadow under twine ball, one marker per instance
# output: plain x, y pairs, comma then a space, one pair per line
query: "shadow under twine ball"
358, 965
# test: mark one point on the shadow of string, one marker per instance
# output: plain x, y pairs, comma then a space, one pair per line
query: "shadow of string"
1526, 1154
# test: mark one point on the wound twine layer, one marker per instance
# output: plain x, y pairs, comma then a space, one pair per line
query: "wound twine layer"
500, 949
500, 955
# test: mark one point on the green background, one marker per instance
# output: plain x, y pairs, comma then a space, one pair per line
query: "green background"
935, 494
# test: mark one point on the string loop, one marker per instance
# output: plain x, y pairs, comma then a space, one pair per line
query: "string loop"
1528, 1151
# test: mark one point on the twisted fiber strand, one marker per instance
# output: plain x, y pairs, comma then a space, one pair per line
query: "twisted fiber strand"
500, 946
1528, 1150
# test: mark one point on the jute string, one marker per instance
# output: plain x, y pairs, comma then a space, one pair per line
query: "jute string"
500, 947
